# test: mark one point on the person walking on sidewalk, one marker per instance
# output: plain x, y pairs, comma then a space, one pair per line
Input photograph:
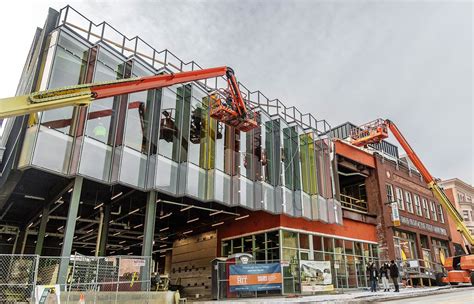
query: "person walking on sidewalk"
373, 276
384, 271
394, 275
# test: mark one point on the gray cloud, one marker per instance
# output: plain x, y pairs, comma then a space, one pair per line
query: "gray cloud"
341, 60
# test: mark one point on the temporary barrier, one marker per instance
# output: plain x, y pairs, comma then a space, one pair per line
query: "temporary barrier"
30, 278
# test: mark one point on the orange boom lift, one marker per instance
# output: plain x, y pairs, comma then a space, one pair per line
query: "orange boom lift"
460, 268
232, 112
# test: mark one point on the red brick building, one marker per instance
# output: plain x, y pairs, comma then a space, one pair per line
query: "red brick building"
370, 180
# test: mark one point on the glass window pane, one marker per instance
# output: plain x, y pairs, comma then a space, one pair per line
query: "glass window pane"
339, 246
304, 241
226, 248
317, 243
290, 239
55, 134
328, 244
273, 239
248, 244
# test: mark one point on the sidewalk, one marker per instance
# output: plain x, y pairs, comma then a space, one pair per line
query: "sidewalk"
353, 296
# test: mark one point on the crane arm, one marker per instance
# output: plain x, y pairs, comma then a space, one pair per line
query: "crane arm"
83, 95
432, 184
375, 131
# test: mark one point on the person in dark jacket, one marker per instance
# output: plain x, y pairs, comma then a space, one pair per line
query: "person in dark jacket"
373, 277
384, 275
394, 274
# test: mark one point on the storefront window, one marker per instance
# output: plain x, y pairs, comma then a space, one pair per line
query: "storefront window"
405, 242
328, 244
440, 249
348, 258
290, 239
338, 246
248, 244
226, 248
318, 243
426, 251
304, 241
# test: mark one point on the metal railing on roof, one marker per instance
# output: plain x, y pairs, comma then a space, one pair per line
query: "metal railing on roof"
103, 32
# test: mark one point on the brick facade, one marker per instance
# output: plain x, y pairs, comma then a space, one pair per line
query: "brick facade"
389, 172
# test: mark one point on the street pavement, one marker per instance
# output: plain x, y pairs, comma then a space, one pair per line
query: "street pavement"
456, 296
445, 294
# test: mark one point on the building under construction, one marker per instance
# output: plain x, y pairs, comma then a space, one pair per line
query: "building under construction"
151, 174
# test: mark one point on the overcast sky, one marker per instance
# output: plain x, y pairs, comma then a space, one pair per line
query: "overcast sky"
410, 61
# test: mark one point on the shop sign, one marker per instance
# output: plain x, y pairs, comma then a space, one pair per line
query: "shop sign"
43, 291
255, 277
395, 214
315, 276
138, 262
423, 226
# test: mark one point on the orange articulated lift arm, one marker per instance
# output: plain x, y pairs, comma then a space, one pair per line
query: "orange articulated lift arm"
410, 152
83, 95
375, 131
435, 188
235, 92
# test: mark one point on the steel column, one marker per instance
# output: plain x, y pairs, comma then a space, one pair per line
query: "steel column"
69, 231
42, 229
148, 236
104, 231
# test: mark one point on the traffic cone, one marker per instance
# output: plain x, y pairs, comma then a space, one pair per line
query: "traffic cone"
81, 299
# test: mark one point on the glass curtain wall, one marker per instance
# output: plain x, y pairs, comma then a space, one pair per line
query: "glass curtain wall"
99, 138
170, 174
164, 139
64, 64
222, 163
200, 143
309, 179
243, 181
266, 171
323, 162
136, 143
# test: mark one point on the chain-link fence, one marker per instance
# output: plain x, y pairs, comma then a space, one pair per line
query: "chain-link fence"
21, 276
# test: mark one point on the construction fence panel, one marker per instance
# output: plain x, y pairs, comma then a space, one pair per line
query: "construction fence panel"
22, 276
17, 278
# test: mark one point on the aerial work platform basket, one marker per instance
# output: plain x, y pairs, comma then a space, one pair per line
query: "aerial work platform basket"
224, 110
369, 133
